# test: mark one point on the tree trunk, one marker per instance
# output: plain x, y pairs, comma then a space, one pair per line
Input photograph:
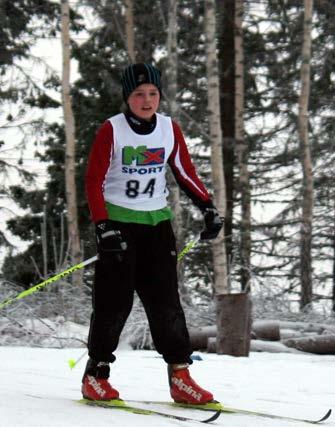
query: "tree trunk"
333, 296
70, 183
174, 196
234, 324
306, 162
172, 58
226, 13
219, 250
242, 150
129, 22
44, 240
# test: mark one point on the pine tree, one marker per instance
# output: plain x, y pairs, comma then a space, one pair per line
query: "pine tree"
18, 32
45, 215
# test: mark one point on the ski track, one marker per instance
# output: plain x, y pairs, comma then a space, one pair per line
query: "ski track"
38, 389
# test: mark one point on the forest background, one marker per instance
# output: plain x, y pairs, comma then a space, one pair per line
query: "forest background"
272, 238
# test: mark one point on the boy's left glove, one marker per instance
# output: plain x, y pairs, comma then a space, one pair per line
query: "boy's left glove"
213, 224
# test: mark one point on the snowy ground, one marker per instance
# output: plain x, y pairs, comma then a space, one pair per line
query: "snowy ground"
38, 389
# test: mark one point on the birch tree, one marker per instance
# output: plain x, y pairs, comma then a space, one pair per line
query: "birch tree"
306, 161
70, 162
172, 57
218, 182
129, 21
172, 87
242, 150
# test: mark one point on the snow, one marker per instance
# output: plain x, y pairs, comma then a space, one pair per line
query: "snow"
38, 389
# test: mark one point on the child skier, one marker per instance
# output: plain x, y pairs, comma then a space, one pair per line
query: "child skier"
126, 191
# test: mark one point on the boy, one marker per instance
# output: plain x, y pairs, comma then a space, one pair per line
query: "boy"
126, 191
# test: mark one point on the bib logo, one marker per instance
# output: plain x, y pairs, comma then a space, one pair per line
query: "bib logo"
142, 156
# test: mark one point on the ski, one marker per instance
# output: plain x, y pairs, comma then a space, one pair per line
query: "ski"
217, 406
124, 406
276, 416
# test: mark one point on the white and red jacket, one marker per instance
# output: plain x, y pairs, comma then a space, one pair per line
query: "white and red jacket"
128, 169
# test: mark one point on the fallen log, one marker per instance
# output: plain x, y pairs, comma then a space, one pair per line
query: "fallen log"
286, 334
318, 344
261, 329
258, 346
200, 336
289, 333
266, 330
271, 347
319, 328
211, 345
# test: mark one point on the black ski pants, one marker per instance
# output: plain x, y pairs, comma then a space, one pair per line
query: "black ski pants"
149, 268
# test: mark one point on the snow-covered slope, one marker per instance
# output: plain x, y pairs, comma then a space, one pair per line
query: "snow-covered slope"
37, 388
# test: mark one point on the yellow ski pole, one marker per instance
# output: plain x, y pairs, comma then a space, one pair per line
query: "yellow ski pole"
188, 247
70, 270
46, 282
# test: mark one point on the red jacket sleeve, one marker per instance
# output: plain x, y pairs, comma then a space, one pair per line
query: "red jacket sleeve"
184, 171
98, 164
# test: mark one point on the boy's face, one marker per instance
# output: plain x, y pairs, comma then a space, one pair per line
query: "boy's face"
144, 101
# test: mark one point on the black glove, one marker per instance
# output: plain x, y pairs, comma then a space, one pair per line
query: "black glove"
110, 241
213, 223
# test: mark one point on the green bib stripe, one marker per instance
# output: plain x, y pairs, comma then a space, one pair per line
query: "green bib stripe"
119, 213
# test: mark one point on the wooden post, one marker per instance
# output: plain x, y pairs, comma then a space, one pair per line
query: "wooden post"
234, 324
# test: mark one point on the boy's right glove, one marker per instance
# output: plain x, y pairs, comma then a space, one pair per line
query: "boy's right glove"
110, 241
213, 223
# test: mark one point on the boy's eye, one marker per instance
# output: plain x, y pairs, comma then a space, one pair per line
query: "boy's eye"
140, 94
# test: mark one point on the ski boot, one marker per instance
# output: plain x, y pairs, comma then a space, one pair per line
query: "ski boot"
95, 385
184, 389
